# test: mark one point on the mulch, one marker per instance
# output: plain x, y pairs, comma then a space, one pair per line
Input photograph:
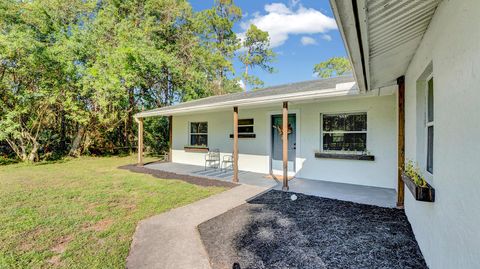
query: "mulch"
200, 181
272, 231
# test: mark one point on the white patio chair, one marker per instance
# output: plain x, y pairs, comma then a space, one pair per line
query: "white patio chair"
227, 161
212, 159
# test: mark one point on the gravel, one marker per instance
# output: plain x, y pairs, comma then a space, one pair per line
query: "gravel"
272, 231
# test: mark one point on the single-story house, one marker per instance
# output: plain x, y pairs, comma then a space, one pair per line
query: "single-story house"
326, 119
413, 97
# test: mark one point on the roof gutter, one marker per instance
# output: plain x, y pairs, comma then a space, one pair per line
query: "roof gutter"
360, 42
348, 20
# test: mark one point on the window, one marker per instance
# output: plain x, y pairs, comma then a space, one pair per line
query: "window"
344, 132
429, 125
245, 126
245, 129
199, 134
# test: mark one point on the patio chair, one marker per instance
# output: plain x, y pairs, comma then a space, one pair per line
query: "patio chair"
212, 159
227, 161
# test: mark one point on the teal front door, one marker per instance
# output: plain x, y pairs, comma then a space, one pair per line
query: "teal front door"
277, 142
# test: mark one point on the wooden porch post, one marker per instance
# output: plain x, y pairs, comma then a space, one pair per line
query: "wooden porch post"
235, 144
401, 141
170, 137
285, 145
140, 141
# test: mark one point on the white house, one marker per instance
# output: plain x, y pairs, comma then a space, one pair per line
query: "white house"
414, 96
356, 132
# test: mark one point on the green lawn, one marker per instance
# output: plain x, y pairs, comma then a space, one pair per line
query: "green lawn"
81, 213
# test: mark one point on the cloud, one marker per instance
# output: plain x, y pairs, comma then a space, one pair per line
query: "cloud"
281, 21
278, 8
327, 37
306, 40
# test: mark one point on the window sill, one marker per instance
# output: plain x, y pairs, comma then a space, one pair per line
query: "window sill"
195, 149
244, 135
359, 157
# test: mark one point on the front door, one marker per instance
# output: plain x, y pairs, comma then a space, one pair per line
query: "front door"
277, 152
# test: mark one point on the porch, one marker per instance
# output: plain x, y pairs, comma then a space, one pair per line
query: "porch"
383, 197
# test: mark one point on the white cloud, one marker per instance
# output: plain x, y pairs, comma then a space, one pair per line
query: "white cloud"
306, 40
327, 37
282, 21
278, 8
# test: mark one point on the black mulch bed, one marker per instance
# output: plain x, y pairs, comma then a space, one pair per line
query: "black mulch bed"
272, 231
201, 181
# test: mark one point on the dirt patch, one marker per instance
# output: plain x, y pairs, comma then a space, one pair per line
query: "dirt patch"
29, 237
200, 181
55, 260
62, 244
99, 226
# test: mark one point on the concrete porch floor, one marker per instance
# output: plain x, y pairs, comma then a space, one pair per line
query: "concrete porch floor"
347, 192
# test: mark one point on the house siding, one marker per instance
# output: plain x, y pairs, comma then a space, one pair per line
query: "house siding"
447, 230
254, 153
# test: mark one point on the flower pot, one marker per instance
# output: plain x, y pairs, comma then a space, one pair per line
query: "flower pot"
195, 149
424, 194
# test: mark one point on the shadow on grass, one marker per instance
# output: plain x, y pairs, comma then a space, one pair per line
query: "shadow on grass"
200, 181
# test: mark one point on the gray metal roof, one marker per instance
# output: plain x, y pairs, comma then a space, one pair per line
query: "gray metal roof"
292, 88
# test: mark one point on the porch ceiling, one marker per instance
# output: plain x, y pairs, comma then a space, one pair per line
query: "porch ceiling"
381, 36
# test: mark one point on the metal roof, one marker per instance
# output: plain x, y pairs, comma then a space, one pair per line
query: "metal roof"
381, 36
293, 91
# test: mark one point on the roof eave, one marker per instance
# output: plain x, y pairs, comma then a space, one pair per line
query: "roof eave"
348, 21
350, 90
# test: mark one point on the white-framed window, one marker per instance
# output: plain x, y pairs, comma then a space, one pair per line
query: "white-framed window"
245, 126
429, 124
198, 135
344, 132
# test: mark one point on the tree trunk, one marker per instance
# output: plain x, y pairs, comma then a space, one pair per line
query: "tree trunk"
63, 136
129, 123
75, 149
33, 155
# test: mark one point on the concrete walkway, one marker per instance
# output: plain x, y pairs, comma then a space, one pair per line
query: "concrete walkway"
171, 239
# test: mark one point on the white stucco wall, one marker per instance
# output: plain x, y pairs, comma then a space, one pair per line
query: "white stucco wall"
448, 230
381, 142
254, 153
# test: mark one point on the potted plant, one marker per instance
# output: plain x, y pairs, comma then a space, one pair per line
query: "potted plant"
416, 183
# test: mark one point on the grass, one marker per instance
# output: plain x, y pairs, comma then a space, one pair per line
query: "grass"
81, 213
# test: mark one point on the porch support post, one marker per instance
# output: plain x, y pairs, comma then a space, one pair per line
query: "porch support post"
285, 145
140, 141
401, 141
235, 144
170, 137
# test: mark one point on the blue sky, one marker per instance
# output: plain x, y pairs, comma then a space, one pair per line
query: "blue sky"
303, 33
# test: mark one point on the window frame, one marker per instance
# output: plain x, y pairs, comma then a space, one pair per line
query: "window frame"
247, 125
190, 133
429, 124
322, 132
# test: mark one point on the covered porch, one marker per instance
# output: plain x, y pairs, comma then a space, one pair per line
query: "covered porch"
283, 138
383, 197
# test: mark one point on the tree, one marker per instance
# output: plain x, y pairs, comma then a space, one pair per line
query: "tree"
217, 27
257, 53
335, 66
74, 72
